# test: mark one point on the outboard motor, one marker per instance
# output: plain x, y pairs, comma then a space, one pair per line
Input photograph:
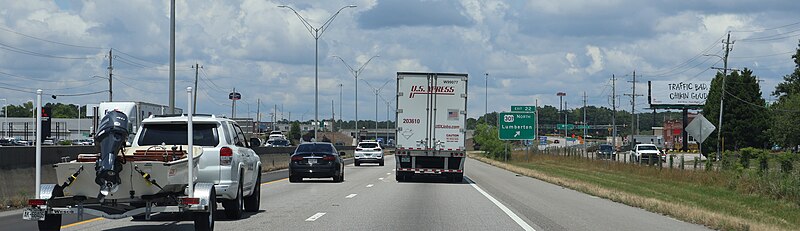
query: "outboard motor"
111, 136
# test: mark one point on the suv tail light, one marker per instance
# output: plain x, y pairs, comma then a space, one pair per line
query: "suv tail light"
328, 158
297, 158
225, 156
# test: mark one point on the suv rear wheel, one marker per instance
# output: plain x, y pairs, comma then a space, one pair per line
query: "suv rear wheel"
234, 207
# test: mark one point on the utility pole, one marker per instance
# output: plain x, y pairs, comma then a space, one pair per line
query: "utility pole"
614, 111
333, 117
258, 114
196, 72
486, 102
584, 122
340, 105
633, 95
727, 43
172, 58
274, 117
110, 75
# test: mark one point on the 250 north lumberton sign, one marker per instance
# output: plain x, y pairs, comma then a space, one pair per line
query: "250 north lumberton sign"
678, 92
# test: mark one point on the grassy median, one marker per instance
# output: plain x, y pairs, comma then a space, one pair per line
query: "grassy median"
710, 198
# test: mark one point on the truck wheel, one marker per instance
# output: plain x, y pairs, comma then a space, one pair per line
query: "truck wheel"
356, 163
252, 203
233, 208
381, 163
457, 177
204, 221
50, 222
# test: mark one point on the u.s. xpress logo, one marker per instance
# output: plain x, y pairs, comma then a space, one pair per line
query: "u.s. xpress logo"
438, 90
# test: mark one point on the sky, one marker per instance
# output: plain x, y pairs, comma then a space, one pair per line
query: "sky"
517, 52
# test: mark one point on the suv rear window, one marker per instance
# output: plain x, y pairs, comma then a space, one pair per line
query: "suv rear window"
605, 148
315, 148
648, 147
175, 134
368, 145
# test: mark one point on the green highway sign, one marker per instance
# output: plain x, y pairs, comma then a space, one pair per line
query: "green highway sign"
583, 126
516, 126
563, 126
523, 108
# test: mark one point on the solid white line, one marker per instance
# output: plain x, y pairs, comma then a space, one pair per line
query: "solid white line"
369, 186
505, 209
351, 196
315, 217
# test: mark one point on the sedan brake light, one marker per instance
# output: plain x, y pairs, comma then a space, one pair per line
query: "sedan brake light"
328, 158
297, 158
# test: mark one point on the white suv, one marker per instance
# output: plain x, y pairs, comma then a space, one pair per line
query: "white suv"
368, 151
646, 153
227, 160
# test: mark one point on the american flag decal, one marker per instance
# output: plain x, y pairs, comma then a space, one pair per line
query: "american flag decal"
452, 114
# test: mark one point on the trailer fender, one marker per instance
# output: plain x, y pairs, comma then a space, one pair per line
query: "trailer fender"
48, 191
203, 192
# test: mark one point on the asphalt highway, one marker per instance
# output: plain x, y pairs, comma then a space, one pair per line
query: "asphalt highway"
489, 198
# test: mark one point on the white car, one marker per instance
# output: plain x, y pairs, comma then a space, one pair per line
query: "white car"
646, 153
368, 152
227, 160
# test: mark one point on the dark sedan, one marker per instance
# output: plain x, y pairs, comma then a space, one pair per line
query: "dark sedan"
316, 160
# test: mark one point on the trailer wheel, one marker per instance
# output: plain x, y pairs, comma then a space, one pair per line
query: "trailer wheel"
400, 177
204, 221
50, 222
252, 203
457, 177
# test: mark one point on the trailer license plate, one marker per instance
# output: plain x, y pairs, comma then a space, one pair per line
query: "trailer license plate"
312, 161
405, 159
33, 214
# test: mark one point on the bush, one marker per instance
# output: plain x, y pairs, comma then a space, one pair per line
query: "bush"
763, 161
786, 160
747, 154
487, 137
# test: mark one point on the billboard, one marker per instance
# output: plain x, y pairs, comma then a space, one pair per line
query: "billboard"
683, 93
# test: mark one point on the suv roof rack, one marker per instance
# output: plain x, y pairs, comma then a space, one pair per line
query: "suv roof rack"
175, 115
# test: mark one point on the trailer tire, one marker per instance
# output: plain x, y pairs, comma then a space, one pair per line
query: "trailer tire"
401, 177
234, 207
50, 222
252, 203
204, 221
294, 179
457, 177
381, 163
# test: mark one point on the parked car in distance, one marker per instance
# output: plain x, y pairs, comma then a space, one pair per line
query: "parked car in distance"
316, 160
646, 153
606, 151
368, 151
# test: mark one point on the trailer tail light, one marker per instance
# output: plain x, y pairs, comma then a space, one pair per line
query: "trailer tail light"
297, 158
225, 156
190, 201
37, 202
328, 158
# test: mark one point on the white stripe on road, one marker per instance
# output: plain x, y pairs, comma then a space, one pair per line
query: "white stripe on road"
351, 196
380, 178
315, 217
369, 186
505, 209
388, 173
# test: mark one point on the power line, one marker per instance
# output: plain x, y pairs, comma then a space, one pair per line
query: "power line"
50, 41
762, 30
129, 55
758, 106
37, 54
35, 79
667, 72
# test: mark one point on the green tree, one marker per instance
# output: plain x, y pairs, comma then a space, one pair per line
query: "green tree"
785, 122
487, 137
294, 131
744, 118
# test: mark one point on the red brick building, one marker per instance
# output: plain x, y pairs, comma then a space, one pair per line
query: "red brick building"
673, 130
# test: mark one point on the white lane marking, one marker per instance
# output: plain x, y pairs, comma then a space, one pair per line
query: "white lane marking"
505, 209
380, 178
388, 173
394, 170
315, 217
370, 185
351, 196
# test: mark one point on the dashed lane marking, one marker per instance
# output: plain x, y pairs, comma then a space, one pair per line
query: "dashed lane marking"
351, 196
370, 185
315, 217
505, 209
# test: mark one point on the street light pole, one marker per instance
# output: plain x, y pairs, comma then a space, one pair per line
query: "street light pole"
377, 91
355, 74
561, 109
316, 33
486, 98
5, 120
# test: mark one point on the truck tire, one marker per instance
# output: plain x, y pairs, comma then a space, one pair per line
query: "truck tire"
252, 203
204, 221
381, 163
356, 163
50, 222
234, 207
457, 177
